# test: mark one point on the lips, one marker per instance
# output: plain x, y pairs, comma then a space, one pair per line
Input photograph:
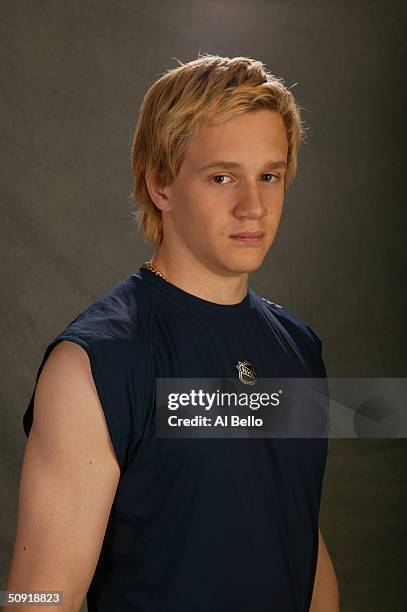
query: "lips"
248, 235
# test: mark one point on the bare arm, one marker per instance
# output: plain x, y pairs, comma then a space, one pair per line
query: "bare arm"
68, 481
325, 597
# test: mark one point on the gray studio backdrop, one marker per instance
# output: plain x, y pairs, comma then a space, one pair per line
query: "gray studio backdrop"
73, 76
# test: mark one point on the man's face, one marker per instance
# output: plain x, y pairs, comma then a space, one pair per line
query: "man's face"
209, 207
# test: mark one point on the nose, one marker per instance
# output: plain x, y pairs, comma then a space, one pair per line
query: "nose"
250, 203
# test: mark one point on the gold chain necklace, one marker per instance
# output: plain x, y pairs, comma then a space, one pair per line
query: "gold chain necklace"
149, 266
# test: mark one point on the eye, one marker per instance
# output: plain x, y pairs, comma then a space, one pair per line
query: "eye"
219, 176
275, 176
272, 178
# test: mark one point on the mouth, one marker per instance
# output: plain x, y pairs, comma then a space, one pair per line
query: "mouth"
250, 237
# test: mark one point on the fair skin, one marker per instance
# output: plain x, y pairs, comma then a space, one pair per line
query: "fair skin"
68, 480
70, 474
325, 596
201, 209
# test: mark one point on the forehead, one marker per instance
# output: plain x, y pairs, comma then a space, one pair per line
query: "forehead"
250, 136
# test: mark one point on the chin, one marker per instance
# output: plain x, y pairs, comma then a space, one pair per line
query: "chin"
245, 264
248, 269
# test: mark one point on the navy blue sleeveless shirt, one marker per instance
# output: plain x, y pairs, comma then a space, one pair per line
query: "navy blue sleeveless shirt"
202, 524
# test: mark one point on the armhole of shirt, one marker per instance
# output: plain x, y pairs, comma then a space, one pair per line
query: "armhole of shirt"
105, 400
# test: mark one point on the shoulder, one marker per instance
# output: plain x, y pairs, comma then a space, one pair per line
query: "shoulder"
113, 331
119, 314
293, 327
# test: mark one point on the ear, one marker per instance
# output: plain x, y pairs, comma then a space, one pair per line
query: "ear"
158, 193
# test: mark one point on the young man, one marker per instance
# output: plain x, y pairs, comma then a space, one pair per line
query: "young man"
110, 510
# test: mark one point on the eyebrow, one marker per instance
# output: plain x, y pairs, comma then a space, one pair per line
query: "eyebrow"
272, 165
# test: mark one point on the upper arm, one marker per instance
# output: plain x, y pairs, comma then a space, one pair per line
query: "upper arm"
68, 481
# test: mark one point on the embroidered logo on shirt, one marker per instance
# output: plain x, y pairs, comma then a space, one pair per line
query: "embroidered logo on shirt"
247, 375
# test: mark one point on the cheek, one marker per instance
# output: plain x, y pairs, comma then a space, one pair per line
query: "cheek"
201, 214
204, 216
195, 220
275, 207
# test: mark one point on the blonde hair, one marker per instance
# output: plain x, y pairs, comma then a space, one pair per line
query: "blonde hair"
209, 88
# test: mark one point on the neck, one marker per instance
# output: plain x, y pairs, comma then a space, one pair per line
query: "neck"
192, 276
